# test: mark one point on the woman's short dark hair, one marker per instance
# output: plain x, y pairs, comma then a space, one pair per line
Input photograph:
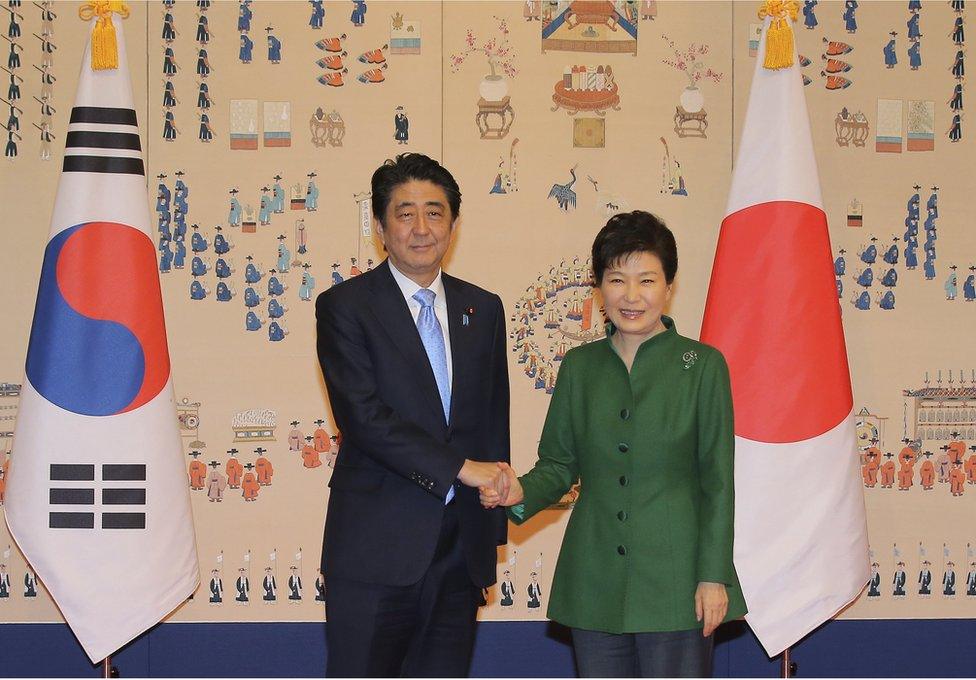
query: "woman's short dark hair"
412, 166
630, 233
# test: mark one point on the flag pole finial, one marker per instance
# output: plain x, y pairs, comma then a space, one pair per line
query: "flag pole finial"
779, 37
105, 48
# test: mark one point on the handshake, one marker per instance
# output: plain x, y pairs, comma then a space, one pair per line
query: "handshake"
496, 483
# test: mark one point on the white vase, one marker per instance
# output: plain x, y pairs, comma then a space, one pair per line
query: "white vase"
692, 100
493, 88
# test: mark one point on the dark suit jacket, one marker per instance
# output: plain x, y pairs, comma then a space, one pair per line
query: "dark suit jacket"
398, 457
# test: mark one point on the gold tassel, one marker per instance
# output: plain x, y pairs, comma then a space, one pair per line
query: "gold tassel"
104, 43
779, 37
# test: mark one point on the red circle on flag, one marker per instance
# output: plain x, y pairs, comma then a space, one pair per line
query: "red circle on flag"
773, 312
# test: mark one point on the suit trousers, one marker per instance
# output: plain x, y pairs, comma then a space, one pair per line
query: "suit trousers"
670, 654
421, 630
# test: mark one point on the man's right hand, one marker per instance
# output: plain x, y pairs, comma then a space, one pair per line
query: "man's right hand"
476, 473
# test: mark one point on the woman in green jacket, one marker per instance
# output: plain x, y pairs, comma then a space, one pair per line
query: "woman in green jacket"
643, 419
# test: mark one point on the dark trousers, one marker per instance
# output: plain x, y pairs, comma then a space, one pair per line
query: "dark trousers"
674, 654
421, 630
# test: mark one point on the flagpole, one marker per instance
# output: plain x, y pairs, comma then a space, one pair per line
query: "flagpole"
787, 667
108, 670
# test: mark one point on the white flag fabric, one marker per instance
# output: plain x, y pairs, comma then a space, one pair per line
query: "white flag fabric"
800, 550
97, 497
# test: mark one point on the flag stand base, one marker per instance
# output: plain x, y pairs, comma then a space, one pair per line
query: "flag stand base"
787, 668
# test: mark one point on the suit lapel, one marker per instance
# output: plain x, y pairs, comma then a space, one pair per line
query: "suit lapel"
460, 344
391, 310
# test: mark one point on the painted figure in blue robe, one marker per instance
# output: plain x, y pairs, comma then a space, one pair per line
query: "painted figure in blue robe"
245, 54
252, 322
197, 291
169, 95
358, 16
890, 57
234, 216
969, 288
318, 14
959, 32
840, 265
203, 63
951, 286
284, 258
275, 287
866, 278
165, 257
955, 103
179, 256
401, 127
275, 309
311, 196
929, 223
932, 205
278, 197
850, 19
203, 30
244, 15
958, 66
251, 298
911, 228
911, 256
336, 277
275, 332
169, 127
163, 196
890, 278
308, 285
837, 282
198, 243
870, 254
221, 244
809, 13
205, 133
274, 49
169, 63
163, 228
913, 203
181, 193
179, 226
928, 267
222, 269
887, 300
891, 255
264, 214
863, 301
197, 266
223, 293
203, 97
955, 130
913, 32
914, 56
252, 274
169, 31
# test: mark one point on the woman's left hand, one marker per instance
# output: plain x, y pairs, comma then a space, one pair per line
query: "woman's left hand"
711, 605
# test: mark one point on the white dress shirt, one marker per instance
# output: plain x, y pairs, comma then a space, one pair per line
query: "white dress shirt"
408, 287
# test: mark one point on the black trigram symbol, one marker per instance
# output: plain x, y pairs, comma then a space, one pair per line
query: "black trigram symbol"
80, 494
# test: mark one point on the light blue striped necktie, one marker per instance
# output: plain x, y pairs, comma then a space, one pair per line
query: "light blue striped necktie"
433, 339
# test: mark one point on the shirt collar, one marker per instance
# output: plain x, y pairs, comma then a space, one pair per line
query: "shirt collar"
408, 286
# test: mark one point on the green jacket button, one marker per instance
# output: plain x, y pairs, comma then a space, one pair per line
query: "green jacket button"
622, 516
624, 481
625, 414
621, 550
623, 448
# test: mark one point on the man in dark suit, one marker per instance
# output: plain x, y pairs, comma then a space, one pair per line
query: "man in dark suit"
415, 363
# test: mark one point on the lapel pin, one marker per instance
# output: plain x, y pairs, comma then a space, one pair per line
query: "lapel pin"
466, 317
